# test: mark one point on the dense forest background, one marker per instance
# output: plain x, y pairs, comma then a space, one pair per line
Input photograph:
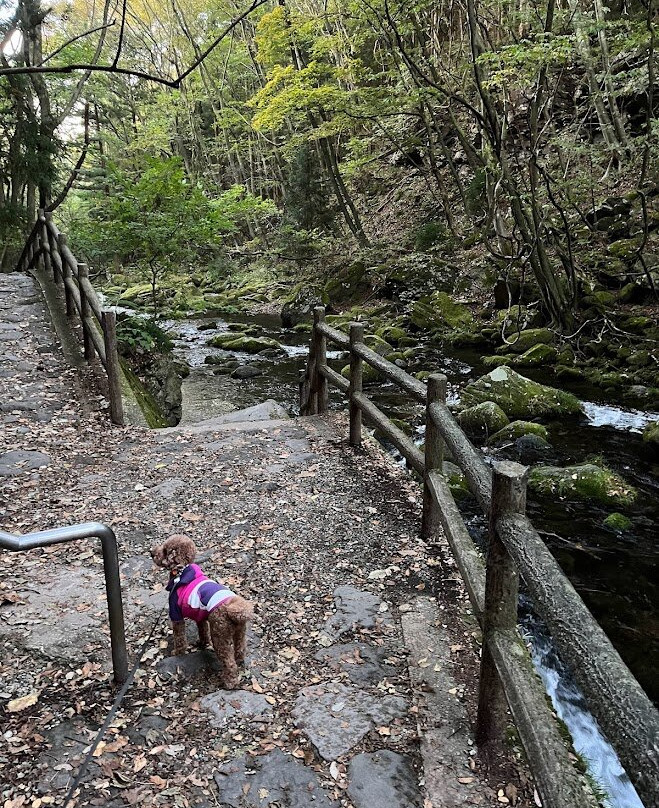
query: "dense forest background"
498, 152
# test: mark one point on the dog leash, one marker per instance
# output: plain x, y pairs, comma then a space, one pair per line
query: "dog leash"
69, 802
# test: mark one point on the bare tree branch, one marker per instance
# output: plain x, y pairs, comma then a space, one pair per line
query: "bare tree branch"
75, 39
114, 68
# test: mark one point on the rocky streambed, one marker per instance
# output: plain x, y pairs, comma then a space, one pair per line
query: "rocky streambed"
594, 488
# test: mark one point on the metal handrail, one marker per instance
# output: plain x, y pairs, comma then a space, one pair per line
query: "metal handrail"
89, 530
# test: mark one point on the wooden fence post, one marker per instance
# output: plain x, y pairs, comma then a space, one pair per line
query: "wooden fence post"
501, 595
45, 242
85, 314
319, 382
434, 455
66, 273
112, 366
356, 380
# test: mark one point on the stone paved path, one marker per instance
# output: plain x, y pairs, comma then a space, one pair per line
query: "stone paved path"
325, 539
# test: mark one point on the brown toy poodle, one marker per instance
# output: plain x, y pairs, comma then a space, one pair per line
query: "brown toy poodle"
221, 615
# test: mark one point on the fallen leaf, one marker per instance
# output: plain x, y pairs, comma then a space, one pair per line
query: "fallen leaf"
16, 705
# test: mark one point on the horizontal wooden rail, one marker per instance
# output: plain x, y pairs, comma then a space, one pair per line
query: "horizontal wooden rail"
400, 440
334, 378
514, 547
337, 337
619, 703
47, 246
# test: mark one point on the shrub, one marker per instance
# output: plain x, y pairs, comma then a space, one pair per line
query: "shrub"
137, 336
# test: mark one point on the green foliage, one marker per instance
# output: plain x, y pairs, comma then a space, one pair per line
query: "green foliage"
137, 336
428, 235
306, 196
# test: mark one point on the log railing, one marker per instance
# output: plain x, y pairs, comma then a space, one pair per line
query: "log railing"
46, 247
507, 677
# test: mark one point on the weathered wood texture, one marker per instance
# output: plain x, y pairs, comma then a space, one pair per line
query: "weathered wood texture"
501, 596
434, 457
48, 244
356, 379
626, 714
624, 711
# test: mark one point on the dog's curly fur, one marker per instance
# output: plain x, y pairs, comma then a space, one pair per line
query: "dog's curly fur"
225, 626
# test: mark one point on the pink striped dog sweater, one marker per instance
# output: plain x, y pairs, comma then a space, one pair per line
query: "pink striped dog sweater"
194, 596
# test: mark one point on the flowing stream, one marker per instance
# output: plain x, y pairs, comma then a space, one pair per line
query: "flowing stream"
613, 572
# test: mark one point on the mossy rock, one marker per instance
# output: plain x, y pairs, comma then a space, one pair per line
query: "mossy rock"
303, 328
391, 334
348, 284
617, 522
456, 480
515, 319
234, 341
518, 396
517, 429
584, 482
535, 357
369, 374
567, 372
439, 310
423, 375
522, 341
486, 418
497, 361
639, 359
626, 249
142, 290
379, 345
467, 339
651, 434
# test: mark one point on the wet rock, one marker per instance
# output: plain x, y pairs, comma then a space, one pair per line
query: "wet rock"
18, 461
517, 429
225, 705
276, 779
363, 664
210, 325
586, 482
242, 342
335, 717
486, 418
379, 345
383, 778
532, 449
518, 396
246, 372
218, 358
163, 378
355, 609
456, 480
391, 334
522, 341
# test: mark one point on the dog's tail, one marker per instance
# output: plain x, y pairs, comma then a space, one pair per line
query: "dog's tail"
239, 610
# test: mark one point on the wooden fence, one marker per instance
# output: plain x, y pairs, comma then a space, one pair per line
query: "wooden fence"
507, 676
48, 248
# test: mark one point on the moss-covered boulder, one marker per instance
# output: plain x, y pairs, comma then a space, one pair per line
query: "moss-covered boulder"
391, 334
585, 482
379, 345
497, 361
486, 418
439, 310
369, 374
651, 434
522, 341
519, 397
626, 249
299, 305
517, 429
617, 522
141, 291
535, 357
233, 341
350, 283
